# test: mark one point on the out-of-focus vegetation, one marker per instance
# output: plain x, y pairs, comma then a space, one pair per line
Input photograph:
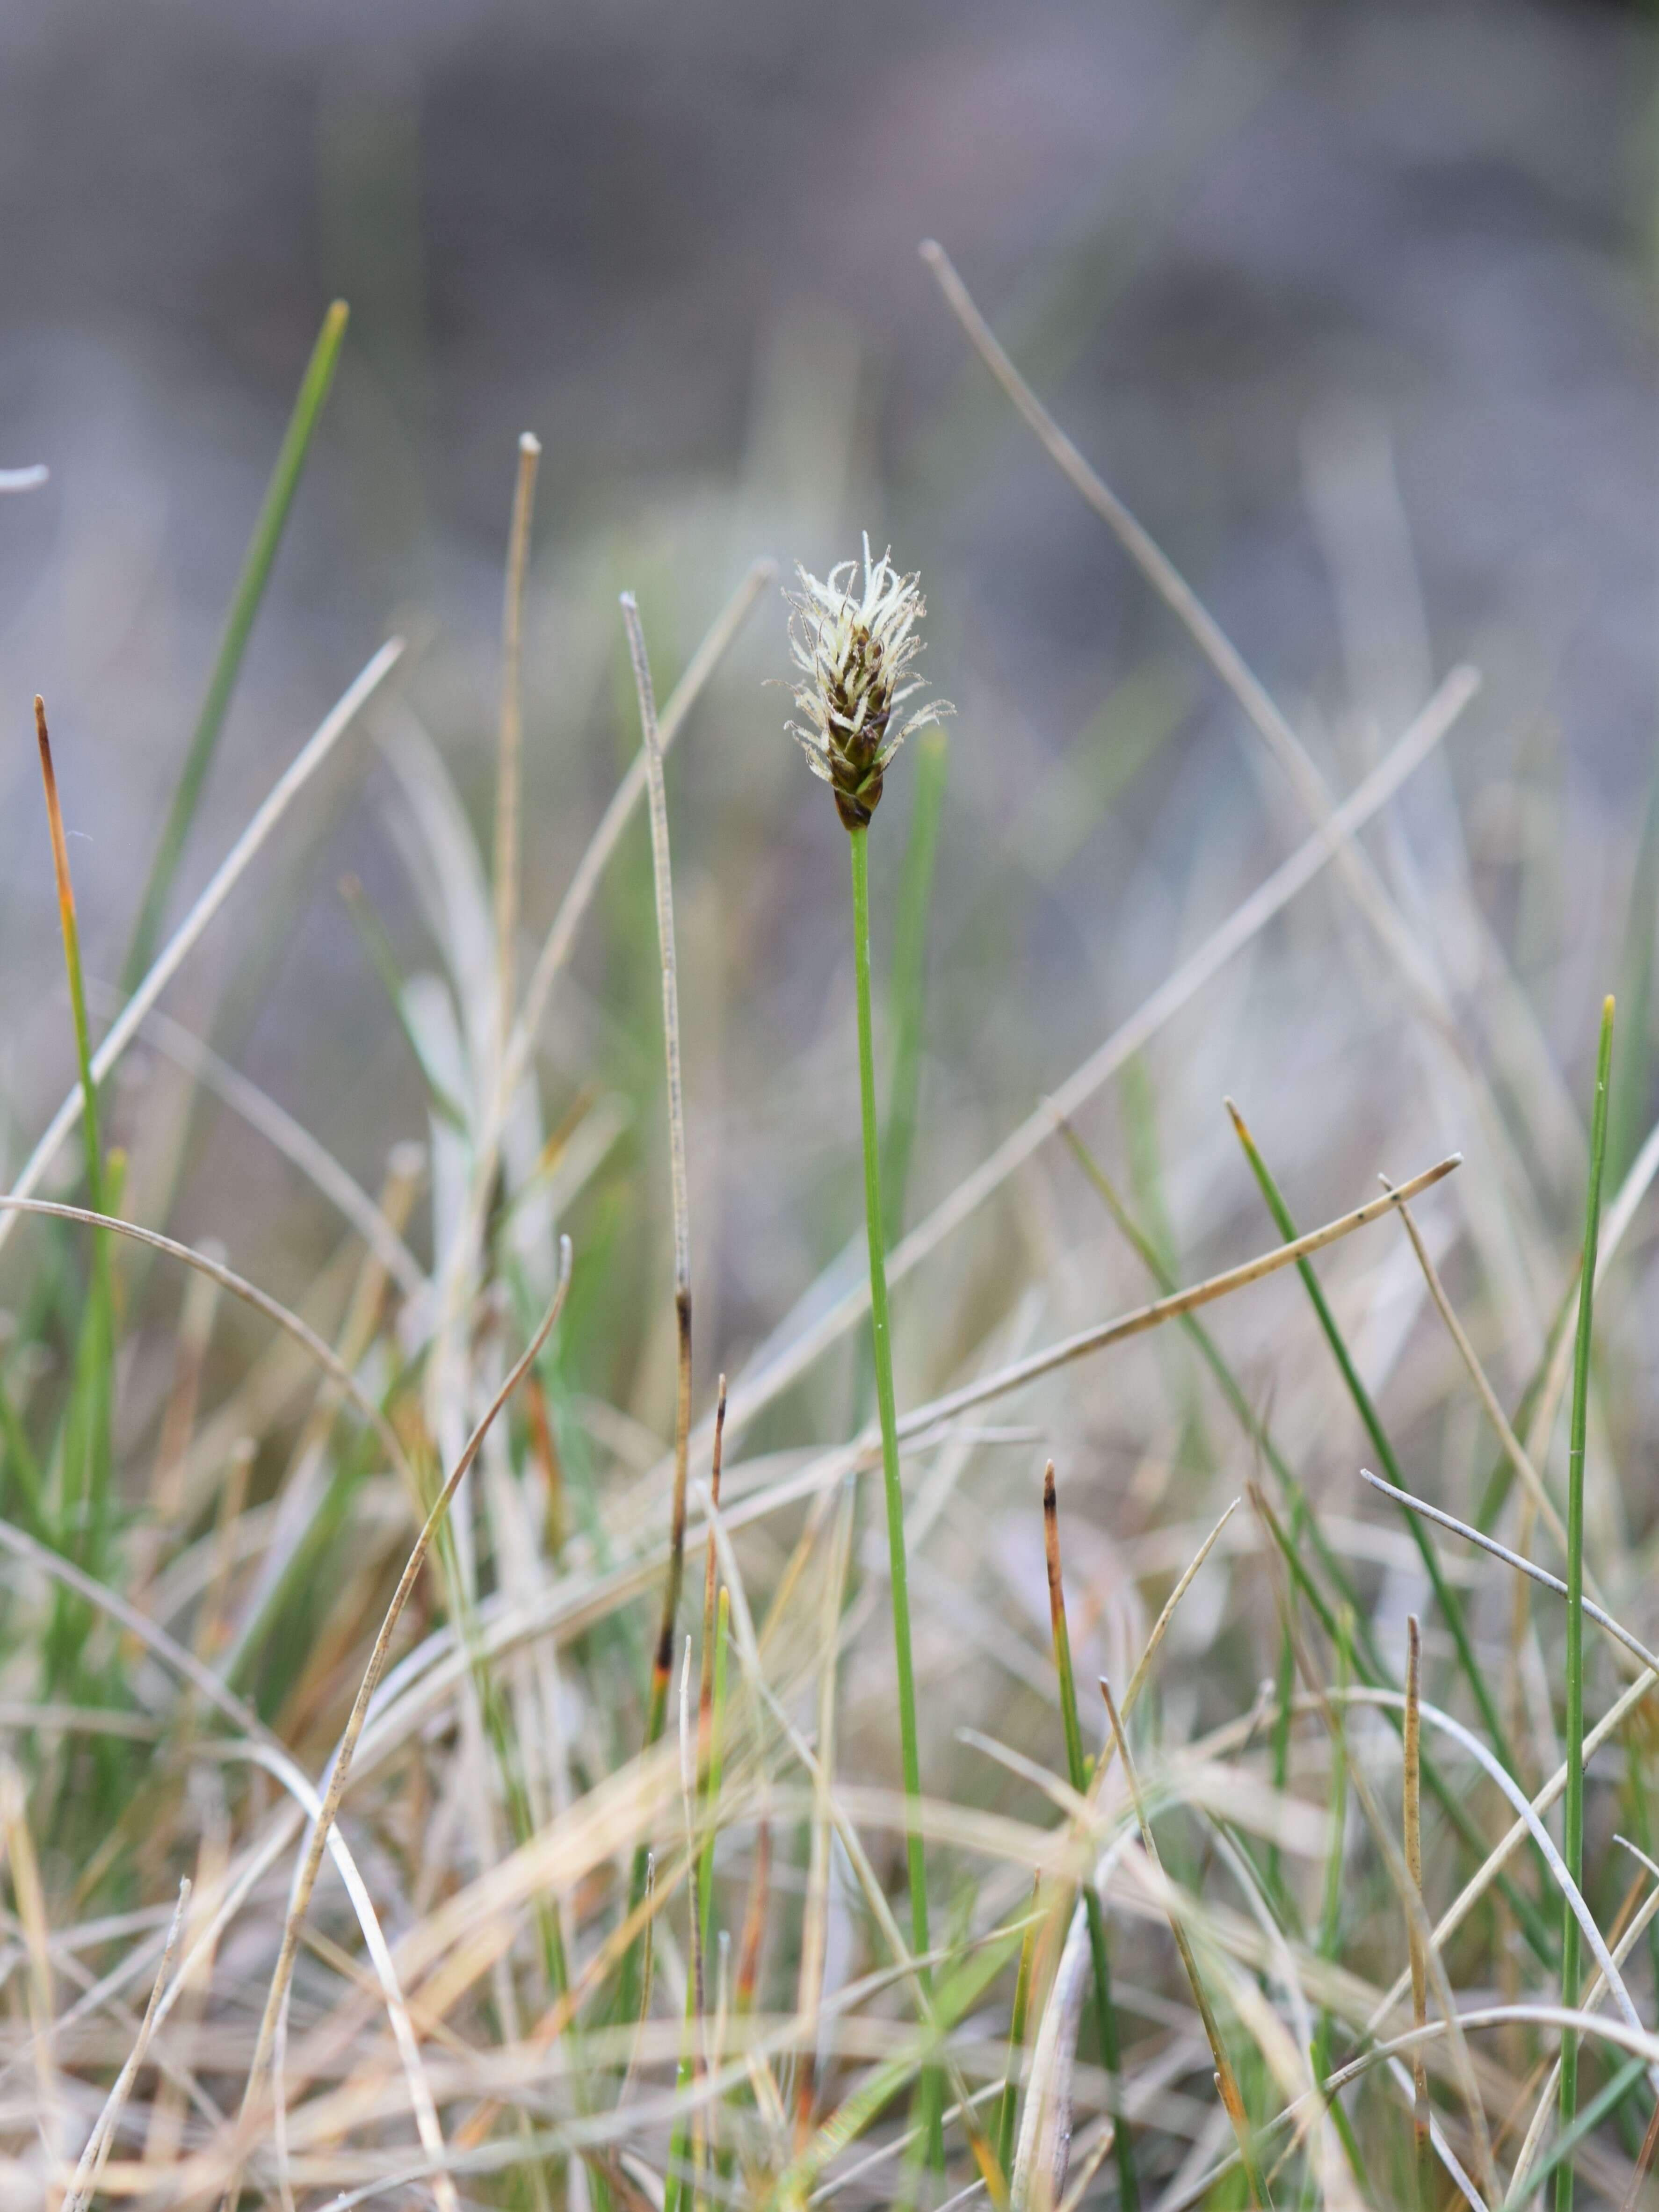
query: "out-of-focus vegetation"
1356, 314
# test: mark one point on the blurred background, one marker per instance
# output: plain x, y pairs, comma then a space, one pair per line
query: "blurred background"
1355, 306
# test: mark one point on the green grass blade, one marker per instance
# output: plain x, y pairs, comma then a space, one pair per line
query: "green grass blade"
881, 1347
1445, 1596
1368, 1660
1077, 1774
1527, 1917
1009, 2110
1572, 1803
249, 590
371, 932
87, 1442
881, 1338
1557, 2159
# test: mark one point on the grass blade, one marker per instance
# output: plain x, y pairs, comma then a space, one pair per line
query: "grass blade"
1077, 1774
1009, 2110
1572, 1808
1227, 2081
663, 1658
249, 590
509, 775
87, 1426
1451, 1610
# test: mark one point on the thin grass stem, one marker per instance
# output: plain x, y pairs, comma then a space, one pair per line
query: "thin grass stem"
1411, 1838
87, 1440
881, 1337
1008, 2112
887, 1413
1226, 2081
239, 625
1572, 1806
663, 1656
509, 752
1106, 2022
1445, 1596
190, 932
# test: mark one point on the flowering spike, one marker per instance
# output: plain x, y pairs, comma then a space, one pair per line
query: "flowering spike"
852, 648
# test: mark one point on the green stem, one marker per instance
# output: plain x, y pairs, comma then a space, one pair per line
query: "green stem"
249, 590
1368, 1660
881, 1346
1572, 1806
1077, 1774
86, 1456
674, 2191
1010, 2107
1445, 1597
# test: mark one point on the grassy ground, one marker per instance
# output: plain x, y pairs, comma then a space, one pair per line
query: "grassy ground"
1254, 1868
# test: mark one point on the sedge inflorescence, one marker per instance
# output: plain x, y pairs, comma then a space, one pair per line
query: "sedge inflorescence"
855, 646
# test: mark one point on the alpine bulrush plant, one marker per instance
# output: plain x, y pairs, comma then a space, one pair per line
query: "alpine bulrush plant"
855, 646
854, 650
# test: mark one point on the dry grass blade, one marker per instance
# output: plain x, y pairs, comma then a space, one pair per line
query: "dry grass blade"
1489, 1399
680, 1201
1213, 642
1411, 1902
84, 2186
261, 1747
580, 897
1247, 920
1160, 1626
1521, 1565
280, 1129
1142, 1318
1478, 1884
1572, 1896
225, 879
261, 1302
509, 770
340, 1766
19, 1848
1226, 2081
815, 1911
1592, 1996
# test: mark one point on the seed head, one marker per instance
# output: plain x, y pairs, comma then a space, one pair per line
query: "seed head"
854, 649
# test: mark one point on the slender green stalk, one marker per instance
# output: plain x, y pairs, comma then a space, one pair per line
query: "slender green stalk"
1411, 1837
1445, 1597
1009, 2111
1557, 2160
1368, 1660
71, 931
673, 2178
87, 1446
662, 877
882, 1348
1527, 1917
1226, 2081
371, 932
249, 590
1330, 1915
1572, 1803
1077, 1774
